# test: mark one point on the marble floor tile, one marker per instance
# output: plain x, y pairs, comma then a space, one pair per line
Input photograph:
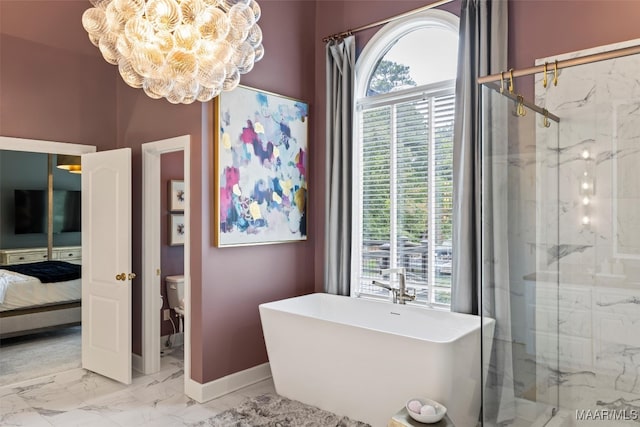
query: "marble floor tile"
93, 386
196, 413
82, 398
82, 418
258, 389
24, 418
14, 411
139, 414
225, 402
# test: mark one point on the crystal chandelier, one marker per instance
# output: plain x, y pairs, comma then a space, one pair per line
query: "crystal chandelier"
182, 50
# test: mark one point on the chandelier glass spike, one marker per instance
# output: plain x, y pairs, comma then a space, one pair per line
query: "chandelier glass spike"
182, 50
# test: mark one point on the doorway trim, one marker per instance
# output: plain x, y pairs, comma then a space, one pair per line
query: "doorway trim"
151, 262
46, 147
42, 146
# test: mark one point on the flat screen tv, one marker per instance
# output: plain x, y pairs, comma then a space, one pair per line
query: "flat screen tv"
31, 211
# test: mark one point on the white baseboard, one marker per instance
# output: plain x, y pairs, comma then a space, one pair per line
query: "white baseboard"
225, 385
137, 363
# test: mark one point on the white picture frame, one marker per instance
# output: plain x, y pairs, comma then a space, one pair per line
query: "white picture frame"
176, 195
176, 230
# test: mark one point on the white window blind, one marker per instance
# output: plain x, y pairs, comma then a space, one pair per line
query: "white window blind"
406, 202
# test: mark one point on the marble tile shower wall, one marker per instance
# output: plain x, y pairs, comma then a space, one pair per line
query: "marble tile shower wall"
595, 200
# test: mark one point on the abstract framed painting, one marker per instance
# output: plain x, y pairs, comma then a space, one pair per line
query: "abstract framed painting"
260, 168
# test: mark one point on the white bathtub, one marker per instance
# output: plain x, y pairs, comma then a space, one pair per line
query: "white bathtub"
364, 359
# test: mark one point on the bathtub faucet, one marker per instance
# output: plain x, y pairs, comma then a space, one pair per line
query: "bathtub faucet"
400, 295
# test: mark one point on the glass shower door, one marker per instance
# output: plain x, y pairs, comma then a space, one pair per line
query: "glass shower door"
599, 263
519, 153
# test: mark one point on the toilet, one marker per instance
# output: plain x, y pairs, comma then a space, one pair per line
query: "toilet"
175, 293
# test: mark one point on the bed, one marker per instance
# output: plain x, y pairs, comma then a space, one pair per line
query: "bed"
39, 296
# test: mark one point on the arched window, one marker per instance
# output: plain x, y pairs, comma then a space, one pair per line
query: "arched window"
405, 82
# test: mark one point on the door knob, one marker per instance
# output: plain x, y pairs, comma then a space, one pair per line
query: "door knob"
121, 276
132, 276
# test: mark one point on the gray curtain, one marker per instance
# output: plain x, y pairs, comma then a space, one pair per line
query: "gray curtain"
482, 50
340, 59
480, 217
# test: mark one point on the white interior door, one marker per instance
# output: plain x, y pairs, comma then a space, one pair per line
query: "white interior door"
106, 263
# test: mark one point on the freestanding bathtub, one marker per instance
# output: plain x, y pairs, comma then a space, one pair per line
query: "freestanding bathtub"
365, 359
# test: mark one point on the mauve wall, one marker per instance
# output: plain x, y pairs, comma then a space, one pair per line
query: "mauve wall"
49, 89
538, 29
142, 119
51, 92
228, 284
54, 85
236, 280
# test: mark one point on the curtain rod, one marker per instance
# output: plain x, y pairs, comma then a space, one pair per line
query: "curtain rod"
587, 59
384, 21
